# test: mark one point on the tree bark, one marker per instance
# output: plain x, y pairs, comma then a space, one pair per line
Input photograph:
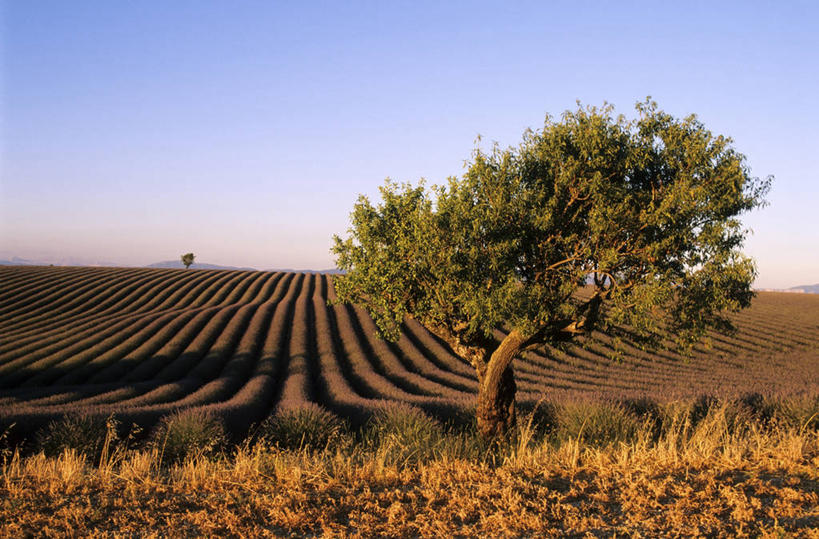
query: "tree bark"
496, 389
496, 406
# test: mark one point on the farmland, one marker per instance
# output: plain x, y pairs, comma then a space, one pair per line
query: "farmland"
140, 343
243, 347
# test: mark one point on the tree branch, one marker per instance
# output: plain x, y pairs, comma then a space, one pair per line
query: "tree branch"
540, 274
565, 330
475, 350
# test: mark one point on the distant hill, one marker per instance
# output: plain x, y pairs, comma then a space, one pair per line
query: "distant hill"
806, 289
177, 264
64, 261
334, 271
167, 264
16, 261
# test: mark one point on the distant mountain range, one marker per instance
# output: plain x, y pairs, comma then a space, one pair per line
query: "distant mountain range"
334, 271
177, 264
16, 261
807, 289
804, 289
68, 261
167, 264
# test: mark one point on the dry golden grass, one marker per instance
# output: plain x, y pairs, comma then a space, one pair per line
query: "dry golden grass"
706, 480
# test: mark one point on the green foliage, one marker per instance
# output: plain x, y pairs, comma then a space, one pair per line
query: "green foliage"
189, 433
306, 427
187, 259
86, 434
646, 209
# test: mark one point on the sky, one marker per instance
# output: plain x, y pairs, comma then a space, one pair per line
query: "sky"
133, 132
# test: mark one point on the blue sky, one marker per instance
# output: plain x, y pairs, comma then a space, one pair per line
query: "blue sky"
243, 131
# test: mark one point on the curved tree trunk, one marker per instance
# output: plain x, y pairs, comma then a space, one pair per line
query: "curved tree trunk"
496, 405
496, 389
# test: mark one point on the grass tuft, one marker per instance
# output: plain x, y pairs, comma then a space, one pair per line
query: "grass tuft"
87, 435
308, 427
400, 434
189, 434
797, 412
597, 424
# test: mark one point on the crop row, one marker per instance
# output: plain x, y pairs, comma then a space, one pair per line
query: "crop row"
143, 342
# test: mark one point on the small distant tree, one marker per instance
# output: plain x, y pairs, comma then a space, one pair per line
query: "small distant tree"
592, 221
187, 259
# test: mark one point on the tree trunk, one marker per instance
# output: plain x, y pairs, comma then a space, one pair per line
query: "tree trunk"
496, 389
496, 406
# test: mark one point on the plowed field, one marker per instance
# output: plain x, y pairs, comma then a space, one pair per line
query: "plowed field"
143, 342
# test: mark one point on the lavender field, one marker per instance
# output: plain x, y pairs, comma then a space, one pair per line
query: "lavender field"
141, 343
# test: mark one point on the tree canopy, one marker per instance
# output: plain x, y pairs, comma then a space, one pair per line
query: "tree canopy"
187, 259
593, 219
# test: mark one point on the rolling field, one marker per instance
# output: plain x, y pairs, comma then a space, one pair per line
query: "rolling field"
144, 342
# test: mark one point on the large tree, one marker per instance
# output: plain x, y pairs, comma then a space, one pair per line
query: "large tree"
592, 220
